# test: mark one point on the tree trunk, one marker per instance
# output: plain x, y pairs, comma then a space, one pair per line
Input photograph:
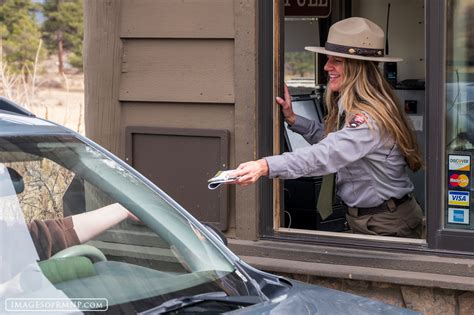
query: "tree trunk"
60, 53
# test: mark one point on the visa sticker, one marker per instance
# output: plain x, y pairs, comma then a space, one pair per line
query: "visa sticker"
459, 162
458, 198
458, 216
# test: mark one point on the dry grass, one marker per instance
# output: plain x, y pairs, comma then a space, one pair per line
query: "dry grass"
46, 93
60, 99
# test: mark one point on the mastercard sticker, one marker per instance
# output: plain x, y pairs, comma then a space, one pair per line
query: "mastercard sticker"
457, 180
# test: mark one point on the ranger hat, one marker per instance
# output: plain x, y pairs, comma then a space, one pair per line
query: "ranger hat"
355, 38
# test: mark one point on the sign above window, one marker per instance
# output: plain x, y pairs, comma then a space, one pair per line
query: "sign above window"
315, 8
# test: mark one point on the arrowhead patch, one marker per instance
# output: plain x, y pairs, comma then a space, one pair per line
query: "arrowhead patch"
357, 120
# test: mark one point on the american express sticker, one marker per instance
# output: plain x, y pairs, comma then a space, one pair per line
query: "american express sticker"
458, 216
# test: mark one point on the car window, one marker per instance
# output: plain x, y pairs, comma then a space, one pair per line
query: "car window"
155, 254
44, 185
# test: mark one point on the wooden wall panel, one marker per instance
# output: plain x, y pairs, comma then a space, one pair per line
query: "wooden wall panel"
169, 70
173, 115
180, 161
177, 19
176, 115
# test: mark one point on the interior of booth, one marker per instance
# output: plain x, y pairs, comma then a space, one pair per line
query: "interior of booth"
305, 78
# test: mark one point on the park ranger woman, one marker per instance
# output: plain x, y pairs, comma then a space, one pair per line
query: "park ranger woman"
365, 138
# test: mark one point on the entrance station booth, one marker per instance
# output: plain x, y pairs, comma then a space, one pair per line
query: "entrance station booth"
306, 25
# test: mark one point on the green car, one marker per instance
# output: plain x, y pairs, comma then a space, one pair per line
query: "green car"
82, 231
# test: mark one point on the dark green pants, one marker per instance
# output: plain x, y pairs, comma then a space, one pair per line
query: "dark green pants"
406, 220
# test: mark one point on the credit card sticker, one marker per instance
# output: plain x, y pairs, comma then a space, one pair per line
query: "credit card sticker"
458, 198
458, 216
459, 162
458, 180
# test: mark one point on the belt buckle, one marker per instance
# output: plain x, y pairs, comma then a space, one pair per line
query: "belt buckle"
354, 211
391, 205
351, 210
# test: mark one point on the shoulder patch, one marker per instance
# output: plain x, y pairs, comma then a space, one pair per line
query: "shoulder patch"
357, 120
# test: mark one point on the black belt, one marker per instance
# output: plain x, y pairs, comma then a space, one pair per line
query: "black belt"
383, 207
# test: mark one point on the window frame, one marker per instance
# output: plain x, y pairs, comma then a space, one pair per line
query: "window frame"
438, 239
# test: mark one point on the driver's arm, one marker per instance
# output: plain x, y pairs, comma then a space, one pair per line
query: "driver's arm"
90, 224
52, 236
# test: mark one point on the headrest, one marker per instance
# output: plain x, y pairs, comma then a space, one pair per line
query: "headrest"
16, 180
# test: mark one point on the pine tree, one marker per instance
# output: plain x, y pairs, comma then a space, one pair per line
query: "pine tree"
20, 33
63, 30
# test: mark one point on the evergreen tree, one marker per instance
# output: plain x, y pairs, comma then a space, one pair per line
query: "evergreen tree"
299, 63
20, 34
63, 30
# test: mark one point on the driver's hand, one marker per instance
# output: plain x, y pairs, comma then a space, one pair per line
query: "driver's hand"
132, 217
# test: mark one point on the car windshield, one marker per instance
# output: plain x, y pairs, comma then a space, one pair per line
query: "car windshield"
152, 254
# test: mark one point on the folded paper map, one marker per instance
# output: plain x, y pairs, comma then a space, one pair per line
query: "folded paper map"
220, 178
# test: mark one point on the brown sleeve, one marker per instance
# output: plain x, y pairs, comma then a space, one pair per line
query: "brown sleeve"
51, 236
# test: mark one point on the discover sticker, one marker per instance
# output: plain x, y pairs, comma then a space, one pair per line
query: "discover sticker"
459, 162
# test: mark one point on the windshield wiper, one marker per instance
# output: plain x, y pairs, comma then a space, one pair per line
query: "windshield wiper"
181, 302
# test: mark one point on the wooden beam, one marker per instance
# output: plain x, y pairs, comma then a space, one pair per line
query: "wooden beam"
245, 56
277, 88
102, 53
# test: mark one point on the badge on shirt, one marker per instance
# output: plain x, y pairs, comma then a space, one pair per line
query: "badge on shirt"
357, 120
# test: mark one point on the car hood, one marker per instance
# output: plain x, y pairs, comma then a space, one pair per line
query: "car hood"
304, 298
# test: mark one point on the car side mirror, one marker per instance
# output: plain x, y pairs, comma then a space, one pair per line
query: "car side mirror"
216, 232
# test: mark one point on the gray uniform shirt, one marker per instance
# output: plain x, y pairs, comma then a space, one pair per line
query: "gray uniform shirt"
370, 169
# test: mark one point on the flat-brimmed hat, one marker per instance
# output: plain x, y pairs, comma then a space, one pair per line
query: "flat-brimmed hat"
355, 38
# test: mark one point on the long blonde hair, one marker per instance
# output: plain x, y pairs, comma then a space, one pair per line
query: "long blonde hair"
364, 89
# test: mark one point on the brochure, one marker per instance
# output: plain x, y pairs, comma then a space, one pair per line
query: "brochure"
220, 178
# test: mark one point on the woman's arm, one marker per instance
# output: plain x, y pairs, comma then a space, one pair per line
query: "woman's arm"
90, 224
335, 151
311, 130
52, 236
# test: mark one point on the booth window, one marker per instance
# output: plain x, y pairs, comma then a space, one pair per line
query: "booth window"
299, 63
442, 116
296, 200
459, 211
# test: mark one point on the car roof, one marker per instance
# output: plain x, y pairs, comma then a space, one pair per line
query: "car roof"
16, 120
